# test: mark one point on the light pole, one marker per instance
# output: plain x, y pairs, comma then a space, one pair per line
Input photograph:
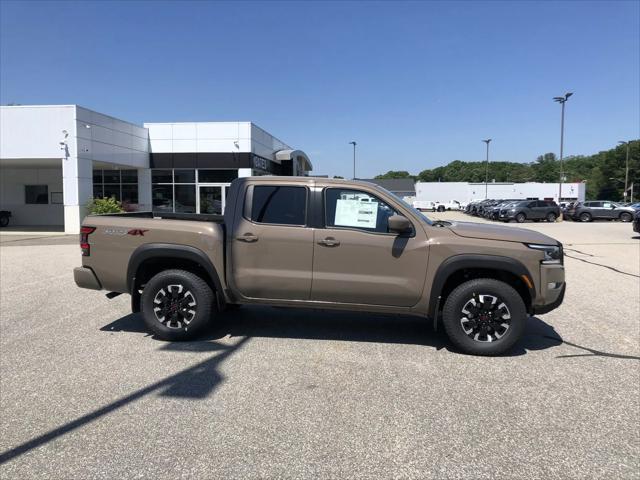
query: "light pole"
626, 170
561, 101
486, 171
354, 158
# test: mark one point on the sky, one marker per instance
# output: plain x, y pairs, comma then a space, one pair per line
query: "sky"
415, 84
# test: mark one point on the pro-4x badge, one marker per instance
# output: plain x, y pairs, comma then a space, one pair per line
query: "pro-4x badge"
137, 231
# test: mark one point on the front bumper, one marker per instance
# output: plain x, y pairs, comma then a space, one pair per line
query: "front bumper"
552, 289
542, 309
85, 278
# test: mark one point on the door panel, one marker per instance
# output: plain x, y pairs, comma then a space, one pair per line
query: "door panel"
369, 268
273, 260
356, 260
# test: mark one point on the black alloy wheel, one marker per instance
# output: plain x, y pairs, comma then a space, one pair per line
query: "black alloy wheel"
626, 217
484, 316
521, 217
585, 217
176, 304
551, 217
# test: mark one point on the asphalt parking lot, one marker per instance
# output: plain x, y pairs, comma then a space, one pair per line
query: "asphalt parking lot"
87, 393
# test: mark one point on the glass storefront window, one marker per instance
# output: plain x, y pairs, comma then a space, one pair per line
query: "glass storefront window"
161, 176
185, 198
97, 176
162, 198
129, 176
112, 191
184, 176
111, 176
97, 191
130, 193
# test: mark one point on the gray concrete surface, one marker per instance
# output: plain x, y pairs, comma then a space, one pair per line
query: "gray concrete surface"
85, 392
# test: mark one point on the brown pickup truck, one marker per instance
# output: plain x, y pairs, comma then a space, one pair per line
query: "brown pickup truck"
321, 243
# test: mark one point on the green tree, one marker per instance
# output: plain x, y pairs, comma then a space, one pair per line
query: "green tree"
394, 174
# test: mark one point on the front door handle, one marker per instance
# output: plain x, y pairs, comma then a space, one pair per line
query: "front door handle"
329, 242
248, 237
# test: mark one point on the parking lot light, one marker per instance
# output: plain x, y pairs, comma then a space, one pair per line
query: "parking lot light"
561, 101
486, 171
626, 170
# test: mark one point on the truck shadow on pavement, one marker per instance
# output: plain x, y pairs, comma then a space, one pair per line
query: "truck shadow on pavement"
317, 324
196, 382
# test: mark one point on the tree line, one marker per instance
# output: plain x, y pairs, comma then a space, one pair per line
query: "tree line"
603, 172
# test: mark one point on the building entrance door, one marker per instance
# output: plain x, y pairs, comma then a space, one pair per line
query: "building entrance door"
211, 198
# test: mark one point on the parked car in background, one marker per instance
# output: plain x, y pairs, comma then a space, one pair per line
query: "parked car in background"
636, 222
4, 217
424, 205
600, 210
493, 213
535, 210
450, 205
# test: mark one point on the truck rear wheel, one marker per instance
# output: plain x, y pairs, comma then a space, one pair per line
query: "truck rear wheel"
484, 316
176, 305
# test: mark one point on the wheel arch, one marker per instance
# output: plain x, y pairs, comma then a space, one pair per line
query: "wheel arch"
460, 268
151, 258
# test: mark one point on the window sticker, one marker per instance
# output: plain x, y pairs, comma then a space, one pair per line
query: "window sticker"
356, 213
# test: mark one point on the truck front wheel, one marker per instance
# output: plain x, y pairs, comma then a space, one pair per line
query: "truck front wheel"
484, 316
176, 305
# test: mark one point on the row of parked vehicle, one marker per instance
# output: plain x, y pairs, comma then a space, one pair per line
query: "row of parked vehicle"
537, 210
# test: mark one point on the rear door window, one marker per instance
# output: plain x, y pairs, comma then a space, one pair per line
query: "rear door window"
279, 205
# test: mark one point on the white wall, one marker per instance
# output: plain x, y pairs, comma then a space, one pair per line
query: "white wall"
193, 137
466, 192
35, 132
12, 195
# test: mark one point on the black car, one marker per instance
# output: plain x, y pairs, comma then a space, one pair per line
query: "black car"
493, 212
535, 210
600, 209
4, 218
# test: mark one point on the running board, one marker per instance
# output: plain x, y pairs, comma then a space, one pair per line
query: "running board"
111, 295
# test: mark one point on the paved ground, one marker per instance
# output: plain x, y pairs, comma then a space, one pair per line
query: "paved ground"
86, 393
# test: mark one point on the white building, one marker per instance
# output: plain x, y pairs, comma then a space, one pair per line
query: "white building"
55, 158
467, 192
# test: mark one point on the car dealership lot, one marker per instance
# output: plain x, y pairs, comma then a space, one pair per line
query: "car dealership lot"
87, 393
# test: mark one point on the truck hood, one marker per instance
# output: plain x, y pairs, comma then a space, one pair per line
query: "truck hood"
499, 232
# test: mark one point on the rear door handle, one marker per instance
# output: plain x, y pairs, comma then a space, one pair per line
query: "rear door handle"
248, 237
329, 242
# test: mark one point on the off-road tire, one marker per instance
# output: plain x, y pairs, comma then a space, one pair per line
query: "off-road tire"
452, 316
521, 217
585, 217
195, 295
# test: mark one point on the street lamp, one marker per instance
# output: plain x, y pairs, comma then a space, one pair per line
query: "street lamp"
561, 101
486, 171
626, 170
354, 158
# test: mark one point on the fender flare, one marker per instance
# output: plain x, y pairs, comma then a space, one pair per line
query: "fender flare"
461, 262
168, 250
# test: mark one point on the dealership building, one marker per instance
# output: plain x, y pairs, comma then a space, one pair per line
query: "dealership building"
55, 158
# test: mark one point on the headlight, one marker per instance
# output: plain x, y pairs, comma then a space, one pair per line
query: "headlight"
552, 253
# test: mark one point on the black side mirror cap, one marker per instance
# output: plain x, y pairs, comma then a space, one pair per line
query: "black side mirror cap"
399, 224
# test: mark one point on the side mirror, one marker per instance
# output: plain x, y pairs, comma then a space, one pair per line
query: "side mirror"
399, 224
